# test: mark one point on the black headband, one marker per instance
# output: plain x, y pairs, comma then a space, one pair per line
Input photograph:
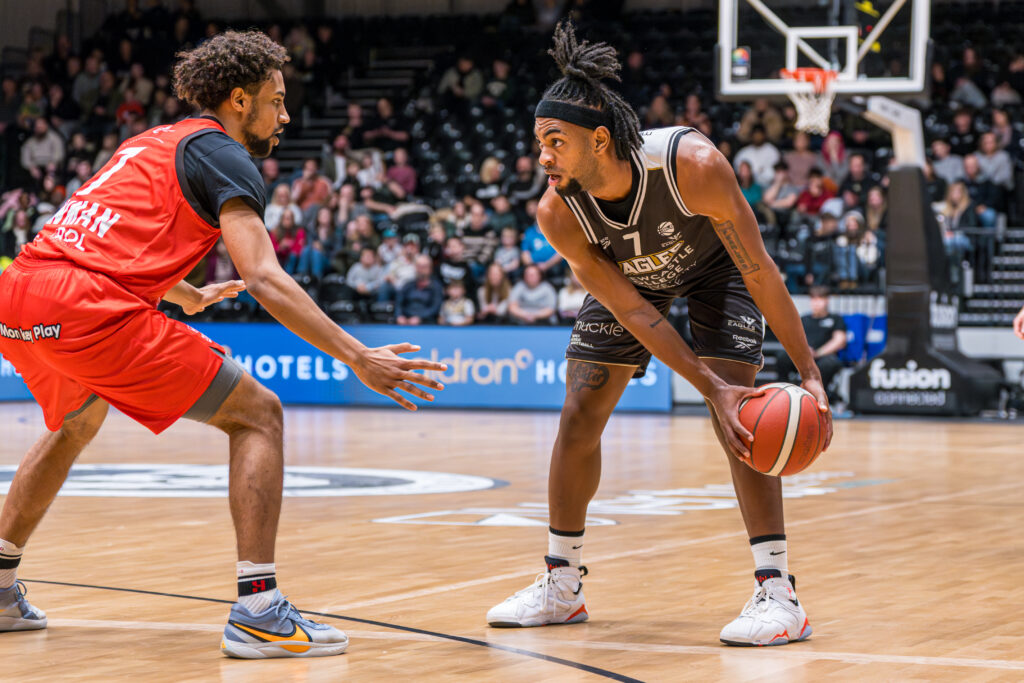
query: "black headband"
572, 113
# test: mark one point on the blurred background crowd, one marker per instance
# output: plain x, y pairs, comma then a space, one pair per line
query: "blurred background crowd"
406, 186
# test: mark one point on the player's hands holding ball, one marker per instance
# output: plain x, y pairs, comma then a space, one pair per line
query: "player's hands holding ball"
384, 371
726, 400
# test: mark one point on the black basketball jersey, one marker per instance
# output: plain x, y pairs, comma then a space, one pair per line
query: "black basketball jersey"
662, 245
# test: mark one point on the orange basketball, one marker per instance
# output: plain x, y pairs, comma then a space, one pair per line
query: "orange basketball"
788, 429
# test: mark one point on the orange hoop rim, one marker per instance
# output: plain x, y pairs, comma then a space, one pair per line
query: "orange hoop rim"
819, 78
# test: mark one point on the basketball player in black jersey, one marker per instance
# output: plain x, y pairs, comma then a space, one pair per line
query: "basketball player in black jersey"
643, 218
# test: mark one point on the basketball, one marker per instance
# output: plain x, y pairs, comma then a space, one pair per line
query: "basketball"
788, 429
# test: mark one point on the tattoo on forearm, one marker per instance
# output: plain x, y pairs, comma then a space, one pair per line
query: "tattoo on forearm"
586, 376
731, 239
656, 322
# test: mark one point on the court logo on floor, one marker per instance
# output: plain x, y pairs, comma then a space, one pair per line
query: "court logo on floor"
211, 481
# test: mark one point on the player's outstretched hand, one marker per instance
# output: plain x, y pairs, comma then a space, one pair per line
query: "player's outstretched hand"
815, 388
384, 371
1018, 324
212, 293
726, 401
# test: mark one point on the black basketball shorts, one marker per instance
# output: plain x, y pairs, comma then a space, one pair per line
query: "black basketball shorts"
724, 323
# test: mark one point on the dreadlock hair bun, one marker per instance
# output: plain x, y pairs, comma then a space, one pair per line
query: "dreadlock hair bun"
584, 65
583, 60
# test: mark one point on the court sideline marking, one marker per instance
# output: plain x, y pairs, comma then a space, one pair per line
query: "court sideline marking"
597, 671
662, 547
779, 656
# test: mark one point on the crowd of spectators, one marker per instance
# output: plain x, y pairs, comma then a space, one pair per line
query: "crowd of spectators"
378, 229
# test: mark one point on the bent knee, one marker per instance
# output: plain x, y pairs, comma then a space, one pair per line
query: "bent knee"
251, 407
83, 427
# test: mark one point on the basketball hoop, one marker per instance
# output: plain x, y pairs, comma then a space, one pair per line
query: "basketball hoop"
813, 109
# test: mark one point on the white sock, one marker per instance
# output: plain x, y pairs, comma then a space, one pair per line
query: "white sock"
10, 557
563, 546
770, 552
257, 586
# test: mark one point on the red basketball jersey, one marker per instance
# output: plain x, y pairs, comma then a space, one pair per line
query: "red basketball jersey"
131, 221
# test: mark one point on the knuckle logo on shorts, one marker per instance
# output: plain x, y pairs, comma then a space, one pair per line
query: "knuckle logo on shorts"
608, 329
211, 481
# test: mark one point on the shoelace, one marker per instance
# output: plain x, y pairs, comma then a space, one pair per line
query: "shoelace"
541, 582
286, 610
20, 590
760, 601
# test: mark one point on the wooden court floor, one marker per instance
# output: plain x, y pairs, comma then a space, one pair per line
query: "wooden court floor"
906, 539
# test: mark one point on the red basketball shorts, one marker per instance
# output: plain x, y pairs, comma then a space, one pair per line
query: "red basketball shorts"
72, 333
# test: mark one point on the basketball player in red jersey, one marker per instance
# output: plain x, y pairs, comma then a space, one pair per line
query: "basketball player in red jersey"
78, 309
643, 219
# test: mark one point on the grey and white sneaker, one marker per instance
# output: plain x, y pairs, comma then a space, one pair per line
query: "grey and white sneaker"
16, 614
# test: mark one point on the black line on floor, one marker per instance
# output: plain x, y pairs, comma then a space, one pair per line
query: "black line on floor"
383, 624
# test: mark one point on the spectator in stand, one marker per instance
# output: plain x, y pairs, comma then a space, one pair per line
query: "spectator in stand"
958, 211
876, 210
100, 117
781, 196
489, 185
10, 101
963, 140
801, 159
356, 127
335, 159
83, 171
454, 265
457, 310
17, 232
499, 91
456, 220
693, 114
537, 251
315, 258
79, 149
270, 170
752, 192
659, 114
390, 247
533, 300
311, 190
986, 196
949, 167
833, 158
387, 131
479, 239
526, 184
1007, 137
136, 81
820, 249
370, 174
128, 112
934, 186
289, 239
366, 276
503, 217
847, 267
107, 148
635, 81
434, 246
462, 83
349, 206
43, 152
87, 83
570, 298
62, 112
760, 154
280, 204
810, 200
401, 270
765, 115
995, 164
859, 180
493, 295
826, 335
508, 255
401, 172
419, 301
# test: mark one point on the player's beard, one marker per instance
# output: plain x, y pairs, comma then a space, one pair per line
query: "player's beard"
587, 177
257, 146
571, 189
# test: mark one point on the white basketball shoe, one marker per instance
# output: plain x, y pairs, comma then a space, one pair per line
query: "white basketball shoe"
556, 597
773, 616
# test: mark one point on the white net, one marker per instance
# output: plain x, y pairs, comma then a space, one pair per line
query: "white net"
813, 110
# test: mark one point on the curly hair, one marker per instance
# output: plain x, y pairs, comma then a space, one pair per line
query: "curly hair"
206, 75
583, 66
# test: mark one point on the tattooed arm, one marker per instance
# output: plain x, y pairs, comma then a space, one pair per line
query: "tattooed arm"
708, 186
602, 278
